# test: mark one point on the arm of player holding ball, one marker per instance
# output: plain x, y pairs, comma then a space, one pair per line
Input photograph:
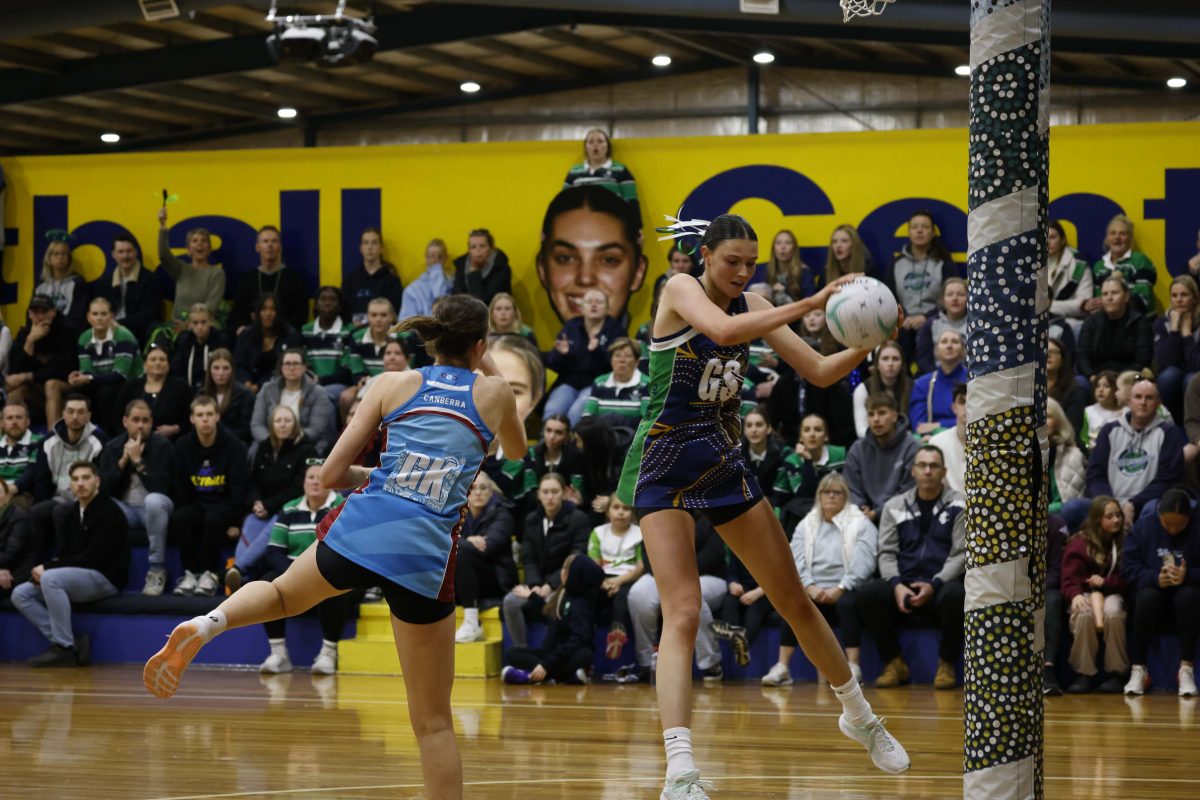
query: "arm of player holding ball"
815, 368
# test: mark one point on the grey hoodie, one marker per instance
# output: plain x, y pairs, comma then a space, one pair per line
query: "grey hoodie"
316, 412
1137, 466
917, 282
876, 473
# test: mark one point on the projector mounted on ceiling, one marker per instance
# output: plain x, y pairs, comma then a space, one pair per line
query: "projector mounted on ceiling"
329, 40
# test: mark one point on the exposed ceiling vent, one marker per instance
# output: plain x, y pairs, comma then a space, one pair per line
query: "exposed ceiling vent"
760, 6
154, 10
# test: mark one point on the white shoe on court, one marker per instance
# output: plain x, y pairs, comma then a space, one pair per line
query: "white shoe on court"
686, 786
469, 632
1138, 680
778, 675
325, 663
886, 753
1187, 682
276, 664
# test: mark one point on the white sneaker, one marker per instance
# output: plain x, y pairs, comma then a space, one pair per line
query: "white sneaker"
778, 675
156, 581
469, 632
325, 662
686, 786
276, 663
1187, 682
206, 586
186, 585
886, 753
1139, 679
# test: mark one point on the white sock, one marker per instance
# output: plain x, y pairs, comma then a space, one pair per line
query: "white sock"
278, 646
678, 743
330, 646
858, 710
471, 615
211, 624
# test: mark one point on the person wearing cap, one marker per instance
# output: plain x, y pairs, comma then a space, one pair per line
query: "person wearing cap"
42, 358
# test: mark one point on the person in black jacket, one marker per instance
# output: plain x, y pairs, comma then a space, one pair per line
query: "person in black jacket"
1056, 541
271, 277
793, 398
210, 497
259, 345
17, 554
135, 471
92, 563
196, 345
484, 569
483, 271
235, 403
167, 396
580, 355
552, 532
42, 358
566, 653
1117, 337
374, 277
134, 294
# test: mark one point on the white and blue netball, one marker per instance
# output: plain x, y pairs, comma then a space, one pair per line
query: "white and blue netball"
863, 314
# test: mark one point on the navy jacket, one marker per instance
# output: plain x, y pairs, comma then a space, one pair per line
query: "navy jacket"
574, 629
579, 367
543, 551
905, 556
143, 302
190, 358
1146, 545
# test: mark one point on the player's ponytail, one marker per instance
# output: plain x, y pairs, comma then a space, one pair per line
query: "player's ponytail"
457, 323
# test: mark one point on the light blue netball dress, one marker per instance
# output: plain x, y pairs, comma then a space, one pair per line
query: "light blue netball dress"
404, 522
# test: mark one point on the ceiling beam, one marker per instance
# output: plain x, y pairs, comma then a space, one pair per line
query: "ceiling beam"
30, 59
690, 44
470, 67
207, 99
106, 119
289, 93
591, 46
433, 82
559, 65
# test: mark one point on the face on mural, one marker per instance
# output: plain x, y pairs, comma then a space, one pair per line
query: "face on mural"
586, 250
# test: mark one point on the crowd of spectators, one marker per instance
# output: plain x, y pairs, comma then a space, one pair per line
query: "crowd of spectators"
201, 425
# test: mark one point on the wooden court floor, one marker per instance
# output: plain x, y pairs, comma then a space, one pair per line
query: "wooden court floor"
95, 734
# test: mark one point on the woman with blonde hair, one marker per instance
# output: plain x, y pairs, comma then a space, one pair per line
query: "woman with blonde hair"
787, 275
61, 282
847, 254
1120, 256
1068, 467
1176, 353
504, 319
419, 296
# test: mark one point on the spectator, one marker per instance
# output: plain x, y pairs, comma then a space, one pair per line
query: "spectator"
196, 344
1056, 539
1068, 277
888, 373
1120, 257
835, 548
814, 330
1135, 458
294, 532
167, 396
196, 280
485, 570
433, 283
395, 359
136, 472
951, 314
617, 547
6, 343
326, 339
579, 356
134, 296
933, 393
1155, 564
42, 358
521, 366
743, 612
1193, 264
678, 263
271, 277
590, 240
604, 450
762, 450
1176, 352
19, 450
483, 271
1062, 385
552, 532
788, 277
92, 563
792, 398
260, 344
617, 397
1117, 337
504, 319
235, 403
1106, 409
1092, 585
364, 357
61, 282
879, 466
921, 563
952, 443
210, 495
1067, 469
556, 452
795, 487
293, 388
915, 277
566, 653
599, 169
17, 553
847, 255
276, 477
108, 358
374, 277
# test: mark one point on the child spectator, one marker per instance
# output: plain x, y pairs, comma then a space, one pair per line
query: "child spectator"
879, 466
134, 297
483, 271
1068, 277
929, 409
235, 403
951, 315
1117, 336
504, 319
1157, 564
1176, 354
580, 355
888, 373
195, 345
1106, 409
599, 169
108, 358
795, 486
617, 396
260, 344
167, 396
1063, 385
66, 289
293, 388
835, 548
1093, 586
617, 547
952, 442
325, 340
43, 356
485, 569
17, 553
420, 295
373, 277
196, 280
1120, 258
1067, 468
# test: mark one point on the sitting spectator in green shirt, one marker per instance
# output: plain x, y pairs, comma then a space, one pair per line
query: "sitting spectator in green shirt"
326, 340
1120, 256
617, 397
796, 484
108, 356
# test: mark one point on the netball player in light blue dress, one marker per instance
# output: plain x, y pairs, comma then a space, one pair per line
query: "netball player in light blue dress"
686, 460
399, 527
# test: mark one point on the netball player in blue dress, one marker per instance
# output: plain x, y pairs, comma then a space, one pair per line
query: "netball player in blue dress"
686, 460
399, 527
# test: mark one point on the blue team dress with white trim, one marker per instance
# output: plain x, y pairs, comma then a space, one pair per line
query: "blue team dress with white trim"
404, 522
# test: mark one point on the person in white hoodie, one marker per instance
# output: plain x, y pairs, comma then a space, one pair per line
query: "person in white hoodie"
835, 547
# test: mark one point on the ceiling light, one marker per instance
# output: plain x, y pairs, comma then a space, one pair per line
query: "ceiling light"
763, 57
1176, 83
661, 61
110, 138
287, 112
963, 70
470, 87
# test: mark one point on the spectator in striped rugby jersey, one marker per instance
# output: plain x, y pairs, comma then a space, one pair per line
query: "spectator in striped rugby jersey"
364, 356
108, 357
617, 397
326, 340
18, 451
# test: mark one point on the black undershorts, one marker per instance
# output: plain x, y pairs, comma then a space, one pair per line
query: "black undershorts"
405, 604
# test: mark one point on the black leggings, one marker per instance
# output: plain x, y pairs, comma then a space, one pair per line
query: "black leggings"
333, 614
199, 531
527, 658
877, 606
475, 577
752, 616
1153, 607
618, 606
842, 616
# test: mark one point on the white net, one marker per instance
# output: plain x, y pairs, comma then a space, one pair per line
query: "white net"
863, 8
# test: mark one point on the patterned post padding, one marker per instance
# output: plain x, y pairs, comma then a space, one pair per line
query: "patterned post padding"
1006, 402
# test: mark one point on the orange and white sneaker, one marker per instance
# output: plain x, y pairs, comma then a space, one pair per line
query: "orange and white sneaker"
165, 668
